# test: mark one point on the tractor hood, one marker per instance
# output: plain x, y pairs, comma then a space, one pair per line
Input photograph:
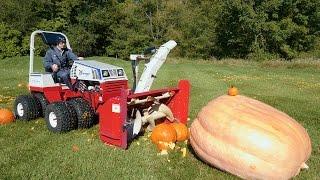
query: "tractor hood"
96, 71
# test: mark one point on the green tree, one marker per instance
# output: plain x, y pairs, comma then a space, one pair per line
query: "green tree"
82, 41
130, 30
99, 23
202, 28
197, 27
279, 27
9, 41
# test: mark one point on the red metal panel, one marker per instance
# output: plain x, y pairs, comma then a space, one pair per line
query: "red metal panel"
179, 104
112, 116
52, 94
91, 96
67, 94
113, 89
94, 97
151, 93
35, 89
111, 86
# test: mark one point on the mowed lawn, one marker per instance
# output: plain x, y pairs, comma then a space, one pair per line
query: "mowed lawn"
29, 151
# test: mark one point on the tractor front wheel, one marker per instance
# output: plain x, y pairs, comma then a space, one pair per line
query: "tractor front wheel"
25, 107
58, 117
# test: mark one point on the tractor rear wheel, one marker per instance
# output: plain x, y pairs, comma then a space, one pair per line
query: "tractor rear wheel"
25, 107
58, 118
42, 103
73, 115
84, 112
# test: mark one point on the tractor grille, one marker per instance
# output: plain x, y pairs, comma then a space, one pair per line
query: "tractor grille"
73, 71
112, 86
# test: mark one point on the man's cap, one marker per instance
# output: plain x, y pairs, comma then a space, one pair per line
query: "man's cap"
61, 39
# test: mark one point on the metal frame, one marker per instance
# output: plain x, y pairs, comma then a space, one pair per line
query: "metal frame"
32, 48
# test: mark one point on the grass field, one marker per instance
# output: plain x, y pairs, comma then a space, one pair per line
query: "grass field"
29, 151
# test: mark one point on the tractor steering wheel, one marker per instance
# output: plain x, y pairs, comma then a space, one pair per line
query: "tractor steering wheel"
70, 62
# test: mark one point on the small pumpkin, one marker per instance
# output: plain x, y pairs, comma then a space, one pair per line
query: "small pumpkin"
162, 135
181, 130
250, 139
233, 91
6, 116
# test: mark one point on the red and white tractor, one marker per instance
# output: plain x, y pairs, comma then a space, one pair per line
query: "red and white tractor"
104, 96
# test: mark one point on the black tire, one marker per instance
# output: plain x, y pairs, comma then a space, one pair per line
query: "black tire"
42, 103
25, 107
73, 115
58, 117
84, 112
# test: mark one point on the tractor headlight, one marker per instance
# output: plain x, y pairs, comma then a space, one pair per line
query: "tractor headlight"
120, 72
105, 73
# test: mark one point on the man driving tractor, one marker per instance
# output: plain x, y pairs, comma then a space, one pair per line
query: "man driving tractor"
58, 60
106, 96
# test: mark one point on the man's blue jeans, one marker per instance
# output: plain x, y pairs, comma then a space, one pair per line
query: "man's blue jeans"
64, 75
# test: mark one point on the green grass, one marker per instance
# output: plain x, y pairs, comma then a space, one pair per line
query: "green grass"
30, 151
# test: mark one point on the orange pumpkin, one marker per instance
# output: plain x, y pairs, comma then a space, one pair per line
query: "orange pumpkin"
182, 131
249, 139
6, 116
162, 135
233, 91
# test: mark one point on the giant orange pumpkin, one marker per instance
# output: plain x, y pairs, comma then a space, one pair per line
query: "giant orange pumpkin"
249, 139
6, 116
162, 135
182, 131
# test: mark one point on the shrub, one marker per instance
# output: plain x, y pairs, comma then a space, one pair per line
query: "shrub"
9, 42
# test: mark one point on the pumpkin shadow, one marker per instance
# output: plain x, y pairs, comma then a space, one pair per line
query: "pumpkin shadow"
191, 150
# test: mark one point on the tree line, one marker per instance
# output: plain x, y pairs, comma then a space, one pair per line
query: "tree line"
203, 28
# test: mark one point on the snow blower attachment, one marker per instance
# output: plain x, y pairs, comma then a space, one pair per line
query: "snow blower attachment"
102, 91
132, 111
126, 114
